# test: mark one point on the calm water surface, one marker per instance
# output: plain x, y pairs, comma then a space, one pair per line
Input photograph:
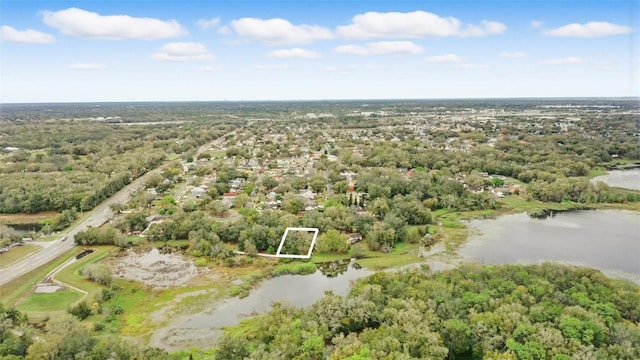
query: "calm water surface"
607, 240
628, 179
297, 290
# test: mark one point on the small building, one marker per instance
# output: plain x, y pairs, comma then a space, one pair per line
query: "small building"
228, 198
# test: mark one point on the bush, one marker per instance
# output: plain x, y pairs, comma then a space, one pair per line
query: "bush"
117, 309
106, 294
200, 262
98, 273
295, 269
81, 311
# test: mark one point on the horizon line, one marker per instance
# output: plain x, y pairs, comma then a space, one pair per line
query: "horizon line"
328, 100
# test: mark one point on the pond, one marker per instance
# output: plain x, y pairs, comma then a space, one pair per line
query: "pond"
607, 240
628, 179
297, 290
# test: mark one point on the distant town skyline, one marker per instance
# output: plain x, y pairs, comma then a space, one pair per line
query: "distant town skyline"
77, 51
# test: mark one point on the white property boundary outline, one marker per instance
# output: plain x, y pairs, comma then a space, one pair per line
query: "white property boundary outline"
284, 237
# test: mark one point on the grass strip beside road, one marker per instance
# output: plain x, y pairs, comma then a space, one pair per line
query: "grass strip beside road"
58, 301
71, 274
16, 254
19, 287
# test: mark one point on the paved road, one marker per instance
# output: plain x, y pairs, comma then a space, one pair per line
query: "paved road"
97, 217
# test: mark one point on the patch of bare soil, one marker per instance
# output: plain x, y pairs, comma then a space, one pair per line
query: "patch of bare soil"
176, 338
156, 270
17, 219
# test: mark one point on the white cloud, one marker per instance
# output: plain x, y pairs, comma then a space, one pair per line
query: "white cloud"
445, 59
589, 30
206, 24
513, 54
295, 53
272, 67
346, 69
611, 68
412, 25
78, 22
181, 51
486, 28
224, 30
535, 24
87, 66
279, 31
564, 61
10, 34
381, 48
470, 66
209, 69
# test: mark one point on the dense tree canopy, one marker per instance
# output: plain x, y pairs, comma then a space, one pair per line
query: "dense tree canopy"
472, 312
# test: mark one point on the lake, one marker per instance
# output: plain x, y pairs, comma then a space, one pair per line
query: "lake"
607, 240
628, 179
297, 290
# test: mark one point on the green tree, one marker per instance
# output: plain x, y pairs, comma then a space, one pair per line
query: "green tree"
332, 241
293, 203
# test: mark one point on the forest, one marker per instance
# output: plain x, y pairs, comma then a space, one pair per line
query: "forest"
472, 312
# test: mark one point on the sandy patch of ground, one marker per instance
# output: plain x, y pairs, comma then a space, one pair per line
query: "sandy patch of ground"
156, 270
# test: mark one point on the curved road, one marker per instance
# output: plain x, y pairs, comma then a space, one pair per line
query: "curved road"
101, 214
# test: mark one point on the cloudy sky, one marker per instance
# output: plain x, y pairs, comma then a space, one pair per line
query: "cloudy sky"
163, 50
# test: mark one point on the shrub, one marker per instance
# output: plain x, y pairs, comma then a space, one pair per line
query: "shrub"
117, 309
295, 269
200, 262
106, 294
98, 273
81, 311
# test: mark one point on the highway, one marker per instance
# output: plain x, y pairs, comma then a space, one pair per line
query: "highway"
50, 251
98, 216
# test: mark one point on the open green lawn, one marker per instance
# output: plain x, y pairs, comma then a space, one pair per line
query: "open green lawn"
596, 172
388, 261
17, 288
327, 257
70, 274
16, 254
60, 300
402, 254
57, 301
49, 237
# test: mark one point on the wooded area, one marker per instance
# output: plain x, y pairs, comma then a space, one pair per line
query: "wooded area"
473, 312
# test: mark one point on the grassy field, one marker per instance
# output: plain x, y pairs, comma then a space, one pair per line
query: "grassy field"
19, 287
328, 257
385, 261
16, 254
49, 237
19, 219
71, 273
61, 300
58, 301
402, 254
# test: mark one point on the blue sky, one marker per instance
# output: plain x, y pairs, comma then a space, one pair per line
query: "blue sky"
68, 51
